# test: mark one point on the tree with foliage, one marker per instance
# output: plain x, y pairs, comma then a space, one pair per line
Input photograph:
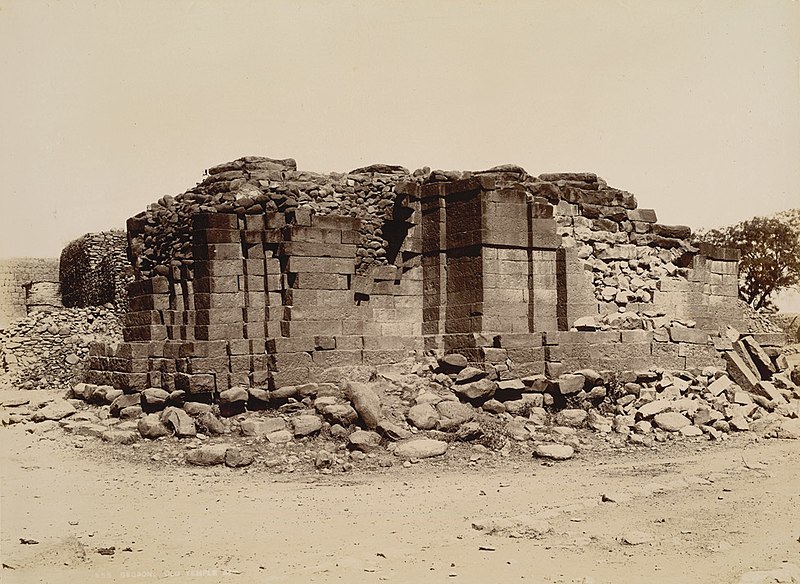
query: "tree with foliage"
770, 257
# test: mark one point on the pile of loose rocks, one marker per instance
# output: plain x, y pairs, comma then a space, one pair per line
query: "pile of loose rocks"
252, 185
47, 350
414, 411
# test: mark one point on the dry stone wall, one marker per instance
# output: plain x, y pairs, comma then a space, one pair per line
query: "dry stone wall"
94, 270
49, 350
160, 237
27, 284
264, 276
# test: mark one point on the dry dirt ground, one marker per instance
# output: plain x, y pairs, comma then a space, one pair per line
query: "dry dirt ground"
689, 511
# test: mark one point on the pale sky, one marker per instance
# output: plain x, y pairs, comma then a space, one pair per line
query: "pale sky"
105, 106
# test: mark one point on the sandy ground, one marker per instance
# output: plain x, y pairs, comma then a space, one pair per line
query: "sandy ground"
695, 512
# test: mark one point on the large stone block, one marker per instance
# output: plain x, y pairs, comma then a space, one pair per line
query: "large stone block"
215, 221
336, 358
740, 371
217, 251
679, 334
311, 328
321, 265
281, 361
319, 250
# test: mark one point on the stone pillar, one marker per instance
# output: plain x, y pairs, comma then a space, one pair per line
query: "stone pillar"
489, 266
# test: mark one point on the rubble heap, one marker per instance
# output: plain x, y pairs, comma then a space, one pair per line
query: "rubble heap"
415, 410
49, 350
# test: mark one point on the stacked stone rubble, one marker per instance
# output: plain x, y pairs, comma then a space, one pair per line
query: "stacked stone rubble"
46, 350
94, 270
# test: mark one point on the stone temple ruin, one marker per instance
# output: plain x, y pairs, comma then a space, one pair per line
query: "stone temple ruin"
264, 276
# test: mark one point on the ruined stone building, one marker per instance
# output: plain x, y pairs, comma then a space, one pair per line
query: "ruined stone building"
265, 276
27, 285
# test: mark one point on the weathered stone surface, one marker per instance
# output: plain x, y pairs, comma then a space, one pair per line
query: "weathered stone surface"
573, 418
261, 426
122, 402
56, 410
279, 437
120, 436
591, 376
655, 407
284, 392
154, 397
423, 416
306, 425
493, 406
210, 423
469, 431
454, 411
691, 431
151, 427
597, 422
234, 395
111, 395
470, 374
554, 451
511, 385
720, 385
340, 414
363, 440
671, 421
366, 402
392, 431
90, 429
238, 457
769, 391
209, 455
739, 423
454, 361
483, 388
130, 413
762, 361
536, 383
258, 394
80, 391
428, 397
420, 448
196, 408
740, 372
570, 383
180, 422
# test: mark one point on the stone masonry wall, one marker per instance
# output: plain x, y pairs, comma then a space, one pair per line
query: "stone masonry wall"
27, 284
266, 276
270, 300
94, 270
